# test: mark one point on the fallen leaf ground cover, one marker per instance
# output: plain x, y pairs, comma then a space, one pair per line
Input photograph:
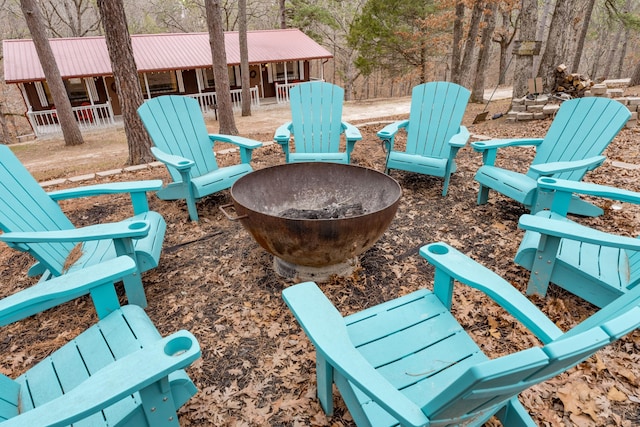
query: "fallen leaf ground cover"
258, 368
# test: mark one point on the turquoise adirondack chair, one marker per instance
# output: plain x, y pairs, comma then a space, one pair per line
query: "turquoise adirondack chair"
119, 372
182, 142
316, 125
573, 145
408, 361
33, 222
434, 131
597, 266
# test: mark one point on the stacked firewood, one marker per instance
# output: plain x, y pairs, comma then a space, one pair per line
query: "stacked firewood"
573, 84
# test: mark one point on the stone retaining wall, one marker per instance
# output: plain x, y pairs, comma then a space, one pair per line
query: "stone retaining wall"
543, 106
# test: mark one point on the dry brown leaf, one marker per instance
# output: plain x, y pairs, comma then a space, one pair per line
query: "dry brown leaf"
616, 395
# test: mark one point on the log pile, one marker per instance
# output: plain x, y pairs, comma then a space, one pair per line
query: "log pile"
574, 84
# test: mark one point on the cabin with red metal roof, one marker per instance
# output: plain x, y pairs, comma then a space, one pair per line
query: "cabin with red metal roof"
177, 63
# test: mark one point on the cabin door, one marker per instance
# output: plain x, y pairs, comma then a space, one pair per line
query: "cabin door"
113, 95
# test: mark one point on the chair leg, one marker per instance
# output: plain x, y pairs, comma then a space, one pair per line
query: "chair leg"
324, 376
134, 289
543, 264
191, 207
483, 195
513, 414
445, 186
158, 405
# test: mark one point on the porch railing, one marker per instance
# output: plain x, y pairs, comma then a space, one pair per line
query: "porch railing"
208, 100
88, 117
282, 92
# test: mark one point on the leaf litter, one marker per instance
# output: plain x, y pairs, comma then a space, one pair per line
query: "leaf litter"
257, 366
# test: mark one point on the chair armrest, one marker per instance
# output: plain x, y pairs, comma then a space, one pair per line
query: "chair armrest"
116, 230
461, 138
451, 265
351, 133
390, 130
236, 140
589, 189
110, 188
178, 162
325, 327
51, 293
115, 381
283, 134
545, 169
500, 143
137, 190
489, 149
551, 224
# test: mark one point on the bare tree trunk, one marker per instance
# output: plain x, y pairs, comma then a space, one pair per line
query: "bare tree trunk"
623, 53
504, 38
583, 35
220, 69
477, 93
282, 13
611, 54
635, 76
469, 48
125, 74
457, 41
553, 53
244, 58
68, 123
524, 63
542, 28
623, 49
599, 49
7, 137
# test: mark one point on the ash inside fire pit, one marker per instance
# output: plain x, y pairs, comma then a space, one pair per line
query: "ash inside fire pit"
332, 211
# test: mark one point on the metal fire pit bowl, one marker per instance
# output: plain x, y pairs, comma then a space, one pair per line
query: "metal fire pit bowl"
312, 248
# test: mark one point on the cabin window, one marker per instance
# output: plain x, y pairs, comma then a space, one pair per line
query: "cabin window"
76, 90
160, 82
209, 81
233, 81
44, 94
292, 70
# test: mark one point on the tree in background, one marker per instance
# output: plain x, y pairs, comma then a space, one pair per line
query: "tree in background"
125, 74
466, 64
244, 58
557, 49
220, 72
575, 64
456, 45
524, 63
328, 22
484, 52
400, 37
505, 33
70, 18
67, 120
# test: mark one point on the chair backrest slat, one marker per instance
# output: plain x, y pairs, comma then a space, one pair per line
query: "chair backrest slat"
316, 116
176, 126
9, 398
436, 112
496, 381
26, 207
582, 128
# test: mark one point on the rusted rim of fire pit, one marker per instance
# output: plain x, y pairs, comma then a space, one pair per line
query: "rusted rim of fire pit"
240, 195
371, 199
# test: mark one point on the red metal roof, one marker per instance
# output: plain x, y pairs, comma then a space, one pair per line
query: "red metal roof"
88, 56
